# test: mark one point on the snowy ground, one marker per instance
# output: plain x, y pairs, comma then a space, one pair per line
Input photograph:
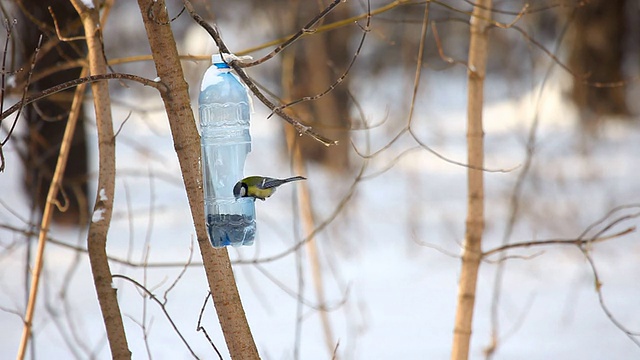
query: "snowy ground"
392, 294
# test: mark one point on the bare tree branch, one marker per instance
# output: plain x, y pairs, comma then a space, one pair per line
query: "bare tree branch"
580, 242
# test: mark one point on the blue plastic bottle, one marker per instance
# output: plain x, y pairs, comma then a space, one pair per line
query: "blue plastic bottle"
225, 111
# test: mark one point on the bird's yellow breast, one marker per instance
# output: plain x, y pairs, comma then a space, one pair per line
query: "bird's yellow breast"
261, 193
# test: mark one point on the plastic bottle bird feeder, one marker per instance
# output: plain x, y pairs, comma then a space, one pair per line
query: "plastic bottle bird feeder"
225, 114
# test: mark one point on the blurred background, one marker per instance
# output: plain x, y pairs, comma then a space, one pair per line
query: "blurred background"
389, 201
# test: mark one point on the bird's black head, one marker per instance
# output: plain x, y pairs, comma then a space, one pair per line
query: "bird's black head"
240, 189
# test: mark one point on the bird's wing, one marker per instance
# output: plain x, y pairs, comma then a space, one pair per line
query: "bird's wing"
269, 183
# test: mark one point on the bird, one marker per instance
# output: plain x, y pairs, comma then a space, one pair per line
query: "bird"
260, 187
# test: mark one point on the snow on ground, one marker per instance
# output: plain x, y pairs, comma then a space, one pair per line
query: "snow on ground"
389, 264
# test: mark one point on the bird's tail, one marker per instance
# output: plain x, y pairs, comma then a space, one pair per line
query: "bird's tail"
273, 183
293, 178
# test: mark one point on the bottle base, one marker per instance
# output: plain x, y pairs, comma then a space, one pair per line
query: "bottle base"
231, 229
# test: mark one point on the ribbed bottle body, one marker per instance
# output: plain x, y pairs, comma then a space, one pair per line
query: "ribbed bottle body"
225, 111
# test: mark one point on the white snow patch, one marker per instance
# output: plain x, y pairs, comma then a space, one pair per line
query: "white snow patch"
102, 195
88, 3
232, 57
98, 215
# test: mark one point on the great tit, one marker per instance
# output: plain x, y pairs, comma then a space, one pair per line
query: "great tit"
260, 187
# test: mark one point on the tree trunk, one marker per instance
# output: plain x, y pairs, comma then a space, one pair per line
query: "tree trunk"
597, 54
47, 118
472, 246
320, 59
186, 141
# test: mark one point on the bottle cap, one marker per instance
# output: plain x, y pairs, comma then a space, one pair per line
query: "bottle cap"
216, 59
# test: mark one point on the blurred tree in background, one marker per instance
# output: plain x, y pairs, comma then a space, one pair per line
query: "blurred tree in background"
47, 118
598, 53
317, 63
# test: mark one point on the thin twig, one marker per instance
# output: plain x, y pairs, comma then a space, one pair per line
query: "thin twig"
58, 32
632, 335
391, 163
443, 56
299, 295
418, 71
162, 307
181, 274
426, 147
201, 328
